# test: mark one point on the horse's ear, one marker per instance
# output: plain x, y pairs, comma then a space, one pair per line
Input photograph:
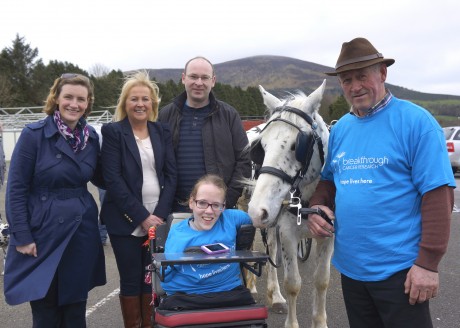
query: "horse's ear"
270, 101
316, 96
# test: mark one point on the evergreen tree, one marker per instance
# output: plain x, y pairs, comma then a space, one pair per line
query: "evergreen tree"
6, 92
25, 81
169, 91
44, 77
17, 66
107, 89
338, 108
258, 107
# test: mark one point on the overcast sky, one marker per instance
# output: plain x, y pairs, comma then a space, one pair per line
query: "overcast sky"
423, 36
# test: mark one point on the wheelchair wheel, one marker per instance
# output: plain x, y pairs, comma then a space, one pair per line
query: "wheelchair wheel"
303, 249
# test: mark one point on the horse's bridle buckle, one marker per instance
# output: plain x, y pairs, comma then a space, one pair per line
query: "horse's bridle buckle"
296, 202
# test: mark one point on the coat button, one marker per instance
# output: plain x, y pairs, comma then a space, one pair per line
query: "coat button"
43, 198
58, 155
78, 218
61, 220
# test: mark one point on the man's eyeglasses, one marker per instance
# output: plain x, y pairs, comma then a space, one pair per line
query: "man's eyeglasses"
204, 78
202, 204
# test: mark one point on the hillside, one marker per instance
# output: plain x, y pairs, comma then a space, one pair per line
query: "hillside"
284, 73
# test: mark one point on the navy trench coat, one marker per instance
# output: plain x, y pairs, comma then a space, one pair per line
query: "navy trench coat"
47, 202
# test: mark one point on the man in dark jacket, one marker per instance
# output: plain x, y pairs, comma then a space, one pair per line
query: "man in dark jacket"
208, 135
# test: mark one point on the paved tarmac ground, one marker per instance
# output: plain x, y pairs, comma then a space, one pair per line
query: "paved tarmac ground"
103, 306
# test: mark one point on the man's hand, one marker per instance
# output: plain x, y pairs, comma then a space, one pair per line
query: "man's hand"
421, 284
319, 226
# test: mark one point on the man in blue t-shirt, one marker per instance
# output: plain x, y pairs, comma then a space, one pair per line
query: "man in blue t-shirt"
388, 183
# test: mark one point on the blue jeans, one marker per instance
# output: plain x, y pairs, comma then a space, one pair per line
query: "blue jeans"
132, 258
103, 232
102, 228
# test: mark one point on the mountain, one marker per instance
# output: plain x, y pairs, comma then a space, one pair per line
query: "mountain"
276, 73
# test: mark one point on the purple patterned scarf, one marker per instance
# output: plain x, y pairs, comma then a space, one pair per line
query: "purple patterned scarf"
78, 138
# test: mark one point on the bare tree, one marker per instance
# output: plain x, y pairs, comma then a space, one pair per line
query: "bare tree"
99, 70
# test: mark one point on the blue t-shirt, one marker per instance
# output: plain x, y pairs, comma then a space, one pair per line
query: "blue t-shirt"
204, 278
382, 165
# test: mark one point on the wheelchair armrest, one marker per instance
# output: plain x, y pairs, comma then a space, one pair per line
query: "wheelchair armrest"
156, 279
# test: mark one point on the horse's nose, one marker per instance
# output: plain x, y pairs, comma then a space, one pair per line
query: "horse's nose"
258, 216
264, 217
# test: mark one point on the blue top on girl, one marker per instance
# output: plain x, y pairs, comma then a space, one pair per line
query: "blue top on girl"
209, 224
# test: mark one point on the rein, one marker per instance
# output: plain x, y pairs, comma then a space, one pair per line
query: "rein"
279, 259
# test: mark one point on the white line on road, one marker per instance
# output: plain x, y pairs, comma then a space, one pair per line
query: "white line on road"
102, 302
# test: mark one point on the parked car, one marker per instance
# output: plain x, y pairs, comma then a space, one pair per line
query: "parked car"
452, 134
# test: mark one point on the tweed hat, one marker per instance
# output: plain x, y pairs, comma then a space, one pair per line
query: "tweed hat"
357, 54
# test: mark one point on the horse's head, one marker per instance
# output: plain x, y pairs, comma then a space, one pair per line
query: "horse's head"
293, 142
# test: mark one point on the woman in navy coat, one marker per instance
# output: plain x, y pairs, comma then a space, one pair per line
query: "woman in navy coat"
55, 255
140, 175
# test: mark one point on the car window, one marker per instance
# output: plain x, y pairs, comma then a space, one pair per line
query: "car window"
457, 135
448, 132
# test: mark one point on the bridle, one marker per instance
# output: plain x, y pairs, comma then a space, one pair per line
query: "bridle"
304, 151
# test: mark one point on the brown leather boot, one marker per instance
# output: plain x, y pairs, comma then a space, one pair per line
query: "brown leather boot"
131, 311
147, 311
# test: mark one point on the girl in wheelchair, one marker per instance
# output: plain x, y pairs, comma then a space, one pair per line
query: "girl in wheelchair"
198, 286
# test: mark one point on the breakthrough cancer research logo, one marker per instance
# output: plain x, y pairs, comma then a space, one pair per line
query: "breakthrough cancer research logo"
342, 163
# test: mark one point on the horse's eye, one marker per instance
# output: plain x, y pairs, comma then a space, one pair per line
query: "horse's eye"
293, 147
